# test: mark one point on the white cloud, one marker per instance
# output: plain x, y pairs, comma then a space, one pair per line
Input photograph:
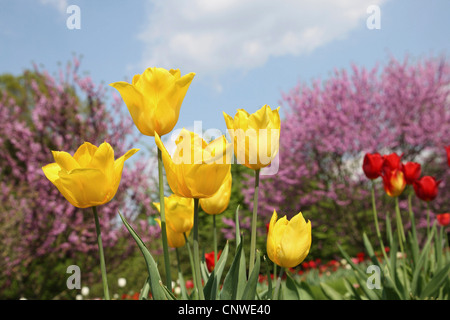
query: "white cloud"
60, 5
215, 36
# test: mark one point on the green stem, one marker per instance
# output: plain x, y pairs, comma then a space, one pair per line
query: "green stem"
401, 233
180, 277
215, 239
277, 288
163, 222
102, 255
375, 217
415, 242
191, 260
274, 271
196, 259
254, 221
428, 218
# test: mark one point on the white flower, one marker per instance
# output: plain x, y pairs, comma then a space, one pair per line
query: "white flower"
122, 282
85, 291
79, 297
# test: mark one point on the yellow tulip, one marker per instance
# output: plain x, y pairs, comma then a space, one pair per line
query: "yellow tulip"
174, 239
288, 242
179, 213
91, 177
197, 169
154, 99
218, 203
256, 137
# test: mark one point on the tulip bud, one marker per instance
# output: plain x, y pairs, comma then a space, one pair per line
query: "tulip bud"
90, 177
394, 182
443, 219
392, 162
154, 98
372, 165
288, 242
411, 170
256, 137
426, 188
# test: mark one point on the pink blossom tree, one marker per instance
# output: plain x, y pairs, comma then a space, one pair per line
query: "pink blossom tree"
41, 233
401, 107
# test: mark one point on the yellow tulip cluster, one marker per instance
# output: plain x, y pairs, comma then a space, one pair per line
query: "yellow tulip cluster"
198, 173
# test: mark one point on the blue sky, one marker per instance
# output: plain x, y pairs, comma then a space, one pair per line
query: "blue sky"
244, 53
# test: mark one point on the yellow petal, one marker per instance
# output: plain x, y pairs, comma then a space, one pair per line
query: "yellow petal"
157, 205
84, 154
241, 119
51, 171
179, 213
173, 172
229, 121
218, 151
218, 203
271, 244
118, 167
137, 105
65, 160
174, 239
295, 242
135, 79
87, 187
204, 180
103, 159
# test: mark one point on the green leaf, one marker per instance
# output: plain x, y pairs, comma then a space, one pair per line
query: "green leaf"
145, 290
234, 281
204, 269
211, 288
250, 288
418, 272
305, 291
370, 250
269, 280
242, 276
169, 294
290, 290
361, 276
330, 293
237, 229
352, 290
152, 268
432, 287
390, 290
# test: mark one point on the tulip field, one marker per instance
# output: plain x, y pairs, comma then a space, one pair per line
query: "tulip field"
345, 198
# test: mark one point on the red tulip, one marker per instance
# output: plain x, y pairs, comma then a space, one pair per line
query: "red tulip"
210, 263
394, 182
372, 165
189, 284
392, 162
361, 256
443, 219
426, 188
447, 148
411, 171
